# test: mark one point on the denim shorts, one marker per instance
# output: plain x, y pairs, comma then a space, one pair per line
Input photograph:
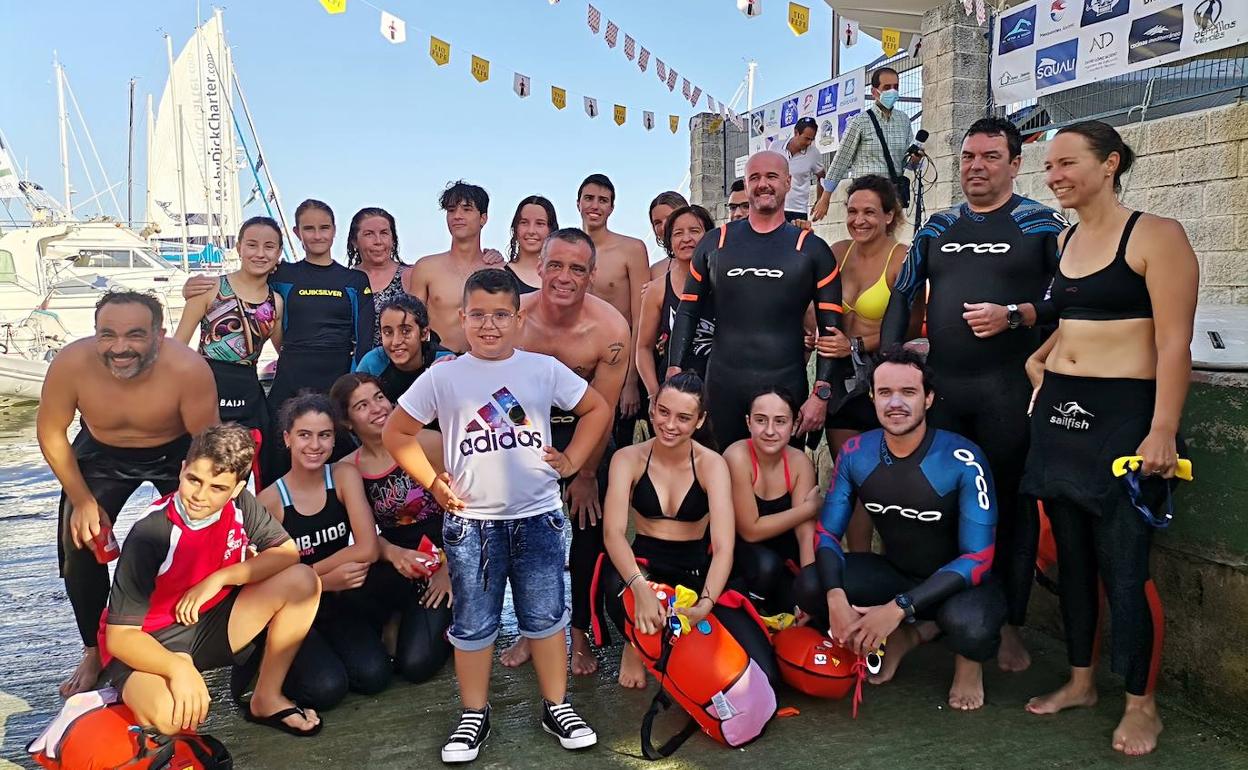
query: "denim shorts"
484, 555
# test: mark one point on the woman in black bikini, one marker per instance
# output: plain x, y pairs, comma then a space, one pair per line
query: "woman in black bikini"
680, 493
534, 220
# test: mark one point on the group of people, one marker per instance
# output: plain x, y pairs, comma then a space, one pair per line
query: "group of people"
435, 430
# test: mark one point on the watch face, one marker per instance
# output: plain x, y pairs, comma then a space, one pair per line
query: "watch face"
824, 392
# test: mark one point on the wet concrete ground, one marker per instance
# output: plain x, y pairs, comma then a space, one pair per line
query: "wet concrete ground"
904, 724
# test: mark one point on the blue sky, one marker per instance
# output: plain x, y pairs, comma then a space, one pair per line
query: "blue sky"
349, 118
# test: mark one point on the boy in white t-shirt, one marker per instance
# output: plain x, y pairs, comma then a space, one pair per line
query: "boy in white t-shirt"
504, 519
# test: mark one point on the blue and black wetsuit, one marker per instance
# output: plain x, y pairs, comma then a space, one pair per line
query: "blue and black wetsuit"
395, 381
757, 287
1005, 256
936, 512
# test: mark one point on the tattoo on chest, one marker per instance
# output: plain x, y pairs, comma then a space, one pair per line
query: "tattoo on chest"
582, 371
613, 352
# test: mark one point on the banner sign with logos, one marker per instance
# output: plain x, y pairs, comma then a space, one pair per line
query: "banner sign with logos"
1046, 46
831, 103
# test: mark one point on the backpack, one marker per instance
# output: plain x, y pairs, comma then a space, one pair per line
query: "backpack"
722, 673
95, 732
813, 664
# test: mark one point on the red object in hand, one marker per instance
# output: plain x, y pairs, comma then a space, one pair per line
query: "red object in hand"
105, 545
434, 562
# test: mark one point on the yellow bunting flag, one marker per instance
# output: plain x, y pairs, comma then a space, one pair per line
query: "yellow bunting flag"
334, 6
673, 122
890, 41
621, 114
799, 18
558, 97
439, 51
480, 68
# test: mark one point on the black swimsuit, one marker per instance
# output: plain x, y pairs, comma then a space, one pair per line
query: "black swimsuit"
322, 534
645, 500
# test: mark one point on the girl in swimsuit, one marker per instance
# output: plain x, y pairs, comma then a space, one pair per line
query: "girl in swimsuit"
679, 492
373, 249
534, 220
660, 209
402, 595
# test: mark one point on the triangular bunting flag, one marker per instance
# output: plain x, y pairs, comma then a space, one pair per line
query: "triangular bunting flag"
393, 28
480, 68
621, 114
849, 33
799, 19
684, 87
647, 120
630, 47
671, 80
890, 41
613, 34
673, 122
968, 6
981, 13
695, 96
710, 103
660, 69
594, 19
439, 51
334, 6
558, 97
591, 106
750, 8
521, 86
643, 58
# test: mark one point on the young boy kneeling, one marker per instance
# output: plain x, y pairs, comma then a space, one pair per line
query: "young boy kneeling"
504, 516
199, 578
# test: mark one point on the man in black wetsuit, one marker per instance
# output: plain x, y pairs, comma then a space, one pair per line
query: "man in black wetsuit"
990, 262
932, 500
757, 276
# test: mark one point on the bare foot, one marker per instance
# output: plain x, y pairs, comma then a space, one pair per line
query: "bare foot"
584, 663
967, 691
262, 706
1137, 733
632, 670
85, 676
1079, 692
517, 654
901, 641
1013, 655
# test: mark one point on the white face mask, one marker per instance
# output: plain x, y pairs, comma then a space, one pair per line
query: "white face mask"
888, 98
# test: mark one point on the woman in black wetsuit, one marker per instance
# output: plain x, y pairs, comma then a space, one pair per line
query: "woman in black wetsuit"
682, 232
776, 498
1111, 382
679, 492
373, 249
401, 588
534, 219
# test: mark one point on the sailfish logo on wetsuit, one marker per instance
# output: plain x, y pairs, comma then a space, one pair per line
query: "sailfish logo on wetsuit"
496, 428
1071, 416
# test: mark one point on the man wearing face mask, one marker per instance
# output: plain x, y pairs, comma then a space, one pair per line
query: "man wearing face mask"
861, 151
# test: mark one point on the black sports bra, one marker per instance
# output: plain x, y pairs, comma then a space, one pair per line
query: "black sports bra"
1111, 293
645, 500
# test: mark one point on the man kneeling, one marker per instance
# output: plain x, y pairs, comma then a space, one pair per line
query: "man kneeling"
198, 580
931, 497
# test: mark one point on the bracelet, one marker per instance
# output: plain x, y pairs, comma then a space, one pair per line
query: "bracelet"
629, 583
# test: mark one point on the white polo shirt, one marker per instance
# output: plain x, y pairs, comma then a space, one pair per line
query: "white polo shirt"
804, 168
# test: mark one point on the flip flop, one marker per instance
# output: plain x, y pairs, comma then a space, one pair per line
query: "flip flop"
275, 721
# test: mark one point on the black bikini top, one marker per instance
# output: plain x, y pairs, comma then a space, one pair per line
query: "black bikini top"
1111, 293
645, 500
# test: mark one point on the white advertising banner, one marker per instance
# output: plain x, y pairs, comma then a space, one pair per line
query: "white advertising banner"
1046, 46
831, 103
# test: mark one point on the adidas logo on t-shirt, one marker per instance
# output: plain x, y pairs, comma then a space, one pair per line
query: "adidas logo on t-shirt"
497, 426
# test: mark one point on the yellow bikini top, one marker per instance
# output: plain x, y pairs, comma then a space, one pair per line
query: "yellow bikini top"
873, 301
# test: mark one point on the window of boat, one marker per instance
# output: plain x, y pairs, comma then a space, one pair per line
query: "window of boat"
97, 258
8, 273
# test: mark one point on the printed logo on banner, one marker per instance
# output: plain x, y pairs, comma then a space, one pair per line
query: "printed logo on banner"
788, 113
827, 100
827, 135
1057, 63
1008, 78
1101, 53
843, 119
1156, 34
756, 123
851, 91
1018, 30
1057, 10
1103, 10
1210, 26
808, 103
1061, 20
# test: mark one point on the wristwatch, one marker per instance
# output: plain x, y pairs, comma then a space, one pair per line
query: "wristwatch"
822, 391
1013, 316
907, 606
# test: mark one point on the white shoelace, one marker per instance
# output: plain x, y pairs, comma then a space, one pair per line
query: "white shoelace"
470, 724
568, 719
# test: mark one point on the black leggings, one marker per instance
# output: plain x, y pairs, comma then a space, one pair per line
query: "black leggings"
672, 562
970, 620
763, 575
112, 475
1110, 548
990, 408
421, 648
586, 544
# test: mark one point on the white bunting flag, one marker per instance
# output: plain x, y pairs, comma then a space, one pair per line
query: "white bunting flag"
671, 79
591, 106
660, 69
393, 28
710, 103
647, 120
522, 86
916, 45
684, 87
981, 13
613, 33
968, 6
750, 8
697, 94
643, 58
630, 47
849, 33
595, 19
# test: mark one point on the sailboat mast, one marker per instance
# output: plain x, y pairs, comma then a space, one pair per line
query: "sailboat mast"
63, 117
130, 162
277, 198
177, 125
151, 128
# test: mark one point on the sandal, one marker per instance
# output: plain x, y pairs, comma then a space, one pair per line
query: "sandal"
275, 721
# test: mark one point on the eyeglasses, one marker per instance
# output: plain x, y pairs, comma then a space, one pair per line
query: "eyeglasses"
501, 318
743, 206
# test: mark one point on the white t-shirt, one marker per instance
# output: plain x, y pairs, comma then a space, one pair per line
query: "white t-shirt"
495, 420
803, 168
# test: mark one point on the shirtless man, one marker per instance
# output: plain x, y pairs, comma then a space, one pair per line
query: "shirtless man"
141, 397
591, 338
438, 279
623, 270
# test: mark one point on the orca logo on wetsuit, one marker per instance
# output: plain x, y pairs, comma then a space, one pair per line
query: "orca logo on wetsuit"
761, 272
981, 484
976, 248
909, 513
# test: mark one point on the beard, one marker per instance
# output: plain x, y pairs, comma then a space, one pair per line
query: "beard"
124, 367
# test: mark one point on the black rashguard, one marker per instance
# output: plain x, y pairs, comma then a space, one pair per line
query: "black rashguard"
328, 309
757, 287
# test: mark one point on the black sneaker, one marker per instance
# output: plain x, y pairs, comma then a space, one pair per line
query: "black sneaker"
561, 721
465, 742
